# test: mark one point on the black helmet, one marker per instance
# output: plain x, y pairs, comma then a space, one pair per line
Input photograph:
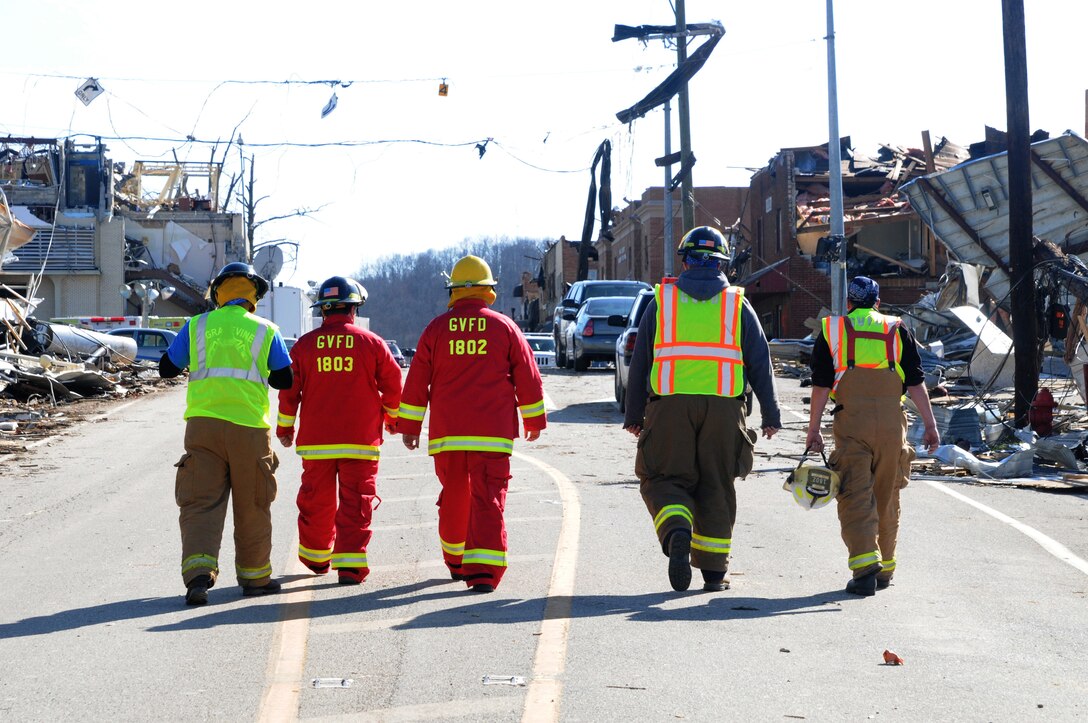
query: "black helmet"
706, 241
340, 290
238, 268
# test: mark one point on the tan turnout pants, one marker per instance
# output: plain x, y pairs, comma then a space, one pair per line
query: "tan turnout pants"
222, 459
873, 461
691, 449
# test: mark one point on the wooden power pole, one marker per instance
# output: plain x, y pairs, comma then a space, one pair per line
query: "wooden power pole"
687, 193
1024, 337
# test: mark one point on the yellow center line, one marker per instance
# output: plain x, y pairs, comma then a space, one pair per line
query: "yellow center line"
543, 697
287, 657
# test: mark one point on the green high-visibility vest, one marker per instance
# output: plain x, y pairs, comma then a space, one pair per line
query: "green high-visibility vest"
228, 367
697, 343
864, 338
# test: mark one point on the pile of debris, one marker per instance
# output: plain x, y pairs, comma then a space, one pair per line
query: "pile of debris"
46, 367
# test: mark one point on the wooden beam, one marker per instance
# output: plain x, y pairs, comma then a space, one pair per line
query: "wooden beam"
1058, 180
889, 259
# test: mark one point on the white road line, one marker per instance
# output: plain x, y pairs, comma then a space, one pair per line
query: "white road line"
545, 687
1051, 545
784, 408
549, 404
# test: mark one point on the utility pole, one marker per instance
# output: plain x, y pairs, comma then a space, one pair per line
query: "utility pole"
837, 235
1021, 260
666, 190
687, 197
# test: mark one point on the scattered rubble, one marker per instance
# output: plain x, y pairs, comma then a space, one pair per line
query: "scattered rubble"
53, 375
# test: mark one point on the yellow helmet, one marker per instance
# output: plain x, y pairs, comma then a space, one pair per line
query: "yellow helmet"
470, 271
812, 487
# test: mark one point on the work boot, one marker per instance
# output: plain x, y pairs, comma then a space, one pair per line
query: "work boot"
715, 581
483, 587
196, 592
319, 569
349, 576
865, 585
271, 588
456, 576
680, 559
882, 583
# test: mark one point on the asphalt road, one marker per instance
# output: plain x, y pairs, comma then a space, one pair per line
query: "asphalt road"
988, 609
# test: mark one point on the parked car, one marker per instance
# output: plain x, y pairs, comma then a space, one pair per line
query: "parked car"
150, 343
625, 343
591, 336
543, 346
290, 342
576, 296
398, 355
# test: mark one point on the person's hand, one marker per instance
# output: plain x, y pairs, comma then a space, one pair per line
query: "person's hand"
286, 438
768, 432
814, 440
411, 441
391, 426
931, 438
635, 429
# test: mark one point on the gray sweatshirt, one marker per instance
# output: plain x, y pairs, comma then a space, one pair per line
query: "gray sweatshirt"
704, 284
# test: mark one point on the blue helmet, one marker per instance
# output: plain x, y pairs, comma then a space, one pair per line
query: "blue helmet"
863, 292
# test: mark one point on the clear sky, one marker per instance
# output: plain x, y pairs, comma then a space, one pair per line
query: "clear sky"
543, 80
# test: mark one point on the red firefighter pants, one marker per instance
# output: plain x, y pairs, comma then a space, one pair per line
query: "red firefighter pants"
873, 461
470, 514
336, 533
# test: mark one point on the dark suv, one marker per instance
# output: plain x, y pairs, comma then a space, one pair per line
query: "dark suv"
576, 296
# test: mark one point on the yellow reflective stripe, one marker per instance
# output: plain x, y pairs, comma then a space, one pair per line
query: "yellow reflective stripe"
470, 444
391, 412
481, 556
711, 544
318, 556
888, 565
338, 451
532, 410
349, 559
452, 548
672, 511
285, 421
410, 411
869, 558
253, 573
194, 561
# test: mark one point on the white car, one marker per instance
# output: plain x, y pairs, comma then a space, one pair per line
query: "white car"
543, 346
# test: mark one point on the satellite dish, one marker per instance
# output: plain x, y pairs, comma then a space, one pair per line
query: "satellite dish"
268, 262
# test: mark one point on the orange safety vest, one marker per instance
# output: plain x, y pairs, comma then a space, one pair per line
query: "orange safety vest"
697, 343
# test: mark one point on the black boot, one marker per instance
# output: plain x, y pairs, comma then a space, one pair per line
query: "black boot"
680, 559
715, 581
864, 585
271, 588
196, 592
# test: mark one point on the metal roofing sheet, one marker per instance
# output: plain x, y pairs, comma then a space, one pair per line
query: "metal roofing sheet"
967, 206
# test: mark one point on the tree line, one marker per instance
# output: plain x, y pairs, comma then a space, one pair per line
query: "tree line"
407, 291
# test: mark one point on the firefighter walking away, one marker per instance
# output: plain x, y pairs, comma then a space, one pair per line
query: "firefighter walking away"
475, 370
346, 389
233, 357
698, 347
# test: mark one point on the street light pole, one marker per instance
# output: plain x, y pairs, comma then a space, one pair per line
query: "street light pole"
687, 197
834, 160
667, 191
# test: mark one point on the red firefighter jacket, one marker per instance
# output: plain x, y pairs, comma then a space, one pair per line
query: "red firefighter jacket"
475, 369
348, 384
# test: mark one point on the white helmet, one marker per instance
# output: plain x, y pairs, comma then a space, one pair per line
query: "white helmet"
812, 487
